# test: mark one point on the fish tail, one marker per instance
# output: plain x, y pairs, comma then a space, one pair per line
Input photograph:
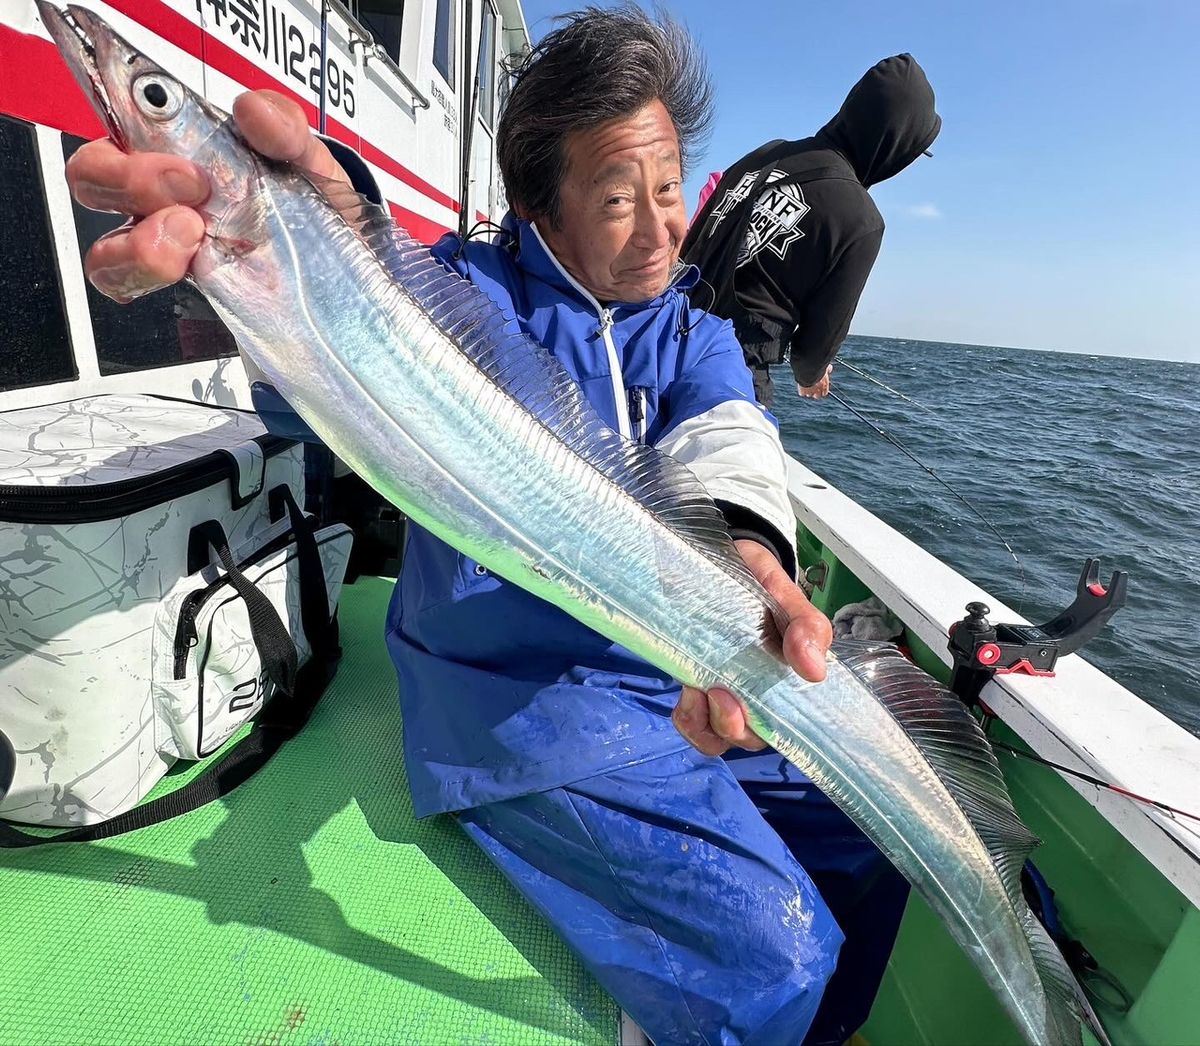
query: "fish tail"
1069, 1006
952, 740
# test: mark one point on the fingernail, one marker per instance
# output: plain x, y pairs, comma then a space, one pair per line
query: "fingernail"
99, 197
185, 186
714, 709
817, 656
182, 228
118, 283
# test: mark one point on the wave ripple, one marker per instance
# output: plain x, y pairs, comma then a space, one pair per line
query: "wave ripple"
1067, 456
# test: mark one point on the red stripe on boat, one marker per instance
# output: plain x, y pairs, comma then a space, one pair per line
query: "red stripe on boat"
37, 86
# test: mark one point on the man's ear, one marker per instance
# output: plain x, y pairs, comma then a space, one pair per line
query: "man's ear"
540, 220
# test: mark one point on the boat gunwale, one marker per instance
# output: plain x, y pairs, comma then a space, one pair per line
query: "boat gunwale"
1081, 717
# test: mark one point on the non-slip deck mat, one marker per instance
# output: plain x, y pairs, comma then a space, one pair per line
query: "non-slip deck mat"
308, 908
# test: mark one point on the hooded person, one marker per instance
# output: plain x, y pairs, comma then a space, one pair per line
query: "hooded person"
788, 237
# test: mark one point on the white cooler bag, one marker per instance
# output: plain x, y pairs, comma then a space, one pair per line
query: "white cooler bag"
158, 584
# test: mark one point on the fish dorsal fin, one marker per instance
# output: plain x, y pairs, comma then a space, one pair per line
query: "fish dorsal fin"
525, 370
532, 376
951, 739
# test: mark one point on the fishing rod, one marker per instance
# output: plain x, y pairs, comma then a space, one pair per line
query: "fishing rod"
1095, 781
908, 453
883, 385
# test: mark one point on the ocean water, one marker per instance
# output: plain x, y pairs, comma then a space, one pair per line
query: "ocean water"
1066, 455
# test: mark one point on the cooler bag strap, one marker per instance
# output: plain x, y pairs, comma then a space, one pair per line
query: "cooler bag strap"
8, 764
319, 627
279, 721
270, 634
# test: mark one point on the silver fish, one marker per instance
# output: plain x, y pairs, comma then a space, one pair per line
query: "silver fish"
413, 377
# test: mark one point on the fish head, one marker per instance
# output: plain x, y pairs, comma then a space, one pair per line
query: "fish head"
146, 109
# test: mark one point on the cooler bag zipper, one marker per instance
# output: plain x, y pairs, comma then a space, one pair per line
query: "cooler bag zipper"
101, 501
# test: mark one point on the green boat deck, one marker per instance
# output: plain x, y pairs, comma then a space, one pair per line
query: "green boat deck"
309, 907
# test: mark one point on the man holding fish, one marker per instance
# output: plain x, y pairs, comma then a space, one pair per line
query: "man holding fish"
585, 774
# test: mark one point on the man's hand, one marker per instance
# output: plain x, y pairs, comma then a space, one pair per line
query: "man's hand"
818, 391
161, 193
715, 722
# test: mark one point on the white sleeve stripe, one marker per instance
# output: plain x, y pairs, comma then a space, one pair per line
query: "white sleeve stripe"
736, 454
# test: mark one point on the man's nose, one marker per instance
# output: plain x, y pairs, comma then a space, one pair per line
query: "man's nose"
651, 230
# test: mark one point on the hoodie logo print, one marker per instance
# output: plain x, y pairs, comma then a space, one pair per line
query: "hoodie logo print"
774, 222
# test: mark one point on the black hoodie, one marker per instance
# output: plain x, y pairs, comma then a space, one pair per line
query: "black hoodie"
788, 237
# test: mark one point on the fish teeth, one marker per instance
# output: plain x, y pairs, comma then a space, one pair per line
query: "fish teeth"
80, 32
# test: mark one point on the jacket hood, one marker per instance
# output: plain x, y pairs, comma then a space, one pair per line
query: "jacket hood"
887, 120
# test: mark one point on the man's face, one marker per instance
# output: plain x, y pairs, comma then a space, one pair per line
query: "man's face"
623, 213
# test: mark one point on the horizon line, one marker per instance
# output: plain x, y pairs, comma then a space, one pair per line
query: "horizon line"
1027, 348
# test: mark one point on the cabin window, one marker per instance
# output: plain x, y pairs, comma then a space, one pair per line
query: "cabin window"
443, 39
504, 82
384, 18
486, 80
35, 341
171, 326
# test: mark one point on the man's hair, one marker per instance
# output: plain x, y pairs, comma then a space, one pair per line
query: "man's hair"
598, 65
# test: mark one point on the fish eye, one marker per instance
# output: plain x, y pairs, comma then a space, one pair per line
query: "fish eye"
157, 96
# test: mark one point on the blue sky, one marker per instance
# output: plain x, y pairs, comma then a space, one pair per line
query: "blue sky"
1062, 207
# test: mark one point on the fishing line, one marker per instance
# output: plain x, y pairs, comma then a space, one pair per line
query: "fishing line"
1031, 757
908, 453
1094, 780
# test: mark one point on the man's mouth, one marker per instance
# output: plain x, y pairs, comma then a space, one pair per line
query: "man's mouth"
651, 266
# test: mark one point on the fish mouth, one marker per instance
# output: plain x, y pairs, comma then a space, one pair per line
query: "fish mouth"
76, 32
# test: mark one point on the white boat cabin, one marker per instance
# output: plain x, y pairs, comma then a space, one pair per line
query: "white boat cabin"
415, 86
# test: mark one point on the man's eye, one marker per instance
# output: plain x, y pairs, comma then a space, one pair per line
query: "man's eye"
670, 187
616, 201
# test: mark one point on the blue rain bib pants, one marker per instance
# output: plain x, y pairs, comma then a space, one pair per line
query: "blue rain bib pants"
689, 885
